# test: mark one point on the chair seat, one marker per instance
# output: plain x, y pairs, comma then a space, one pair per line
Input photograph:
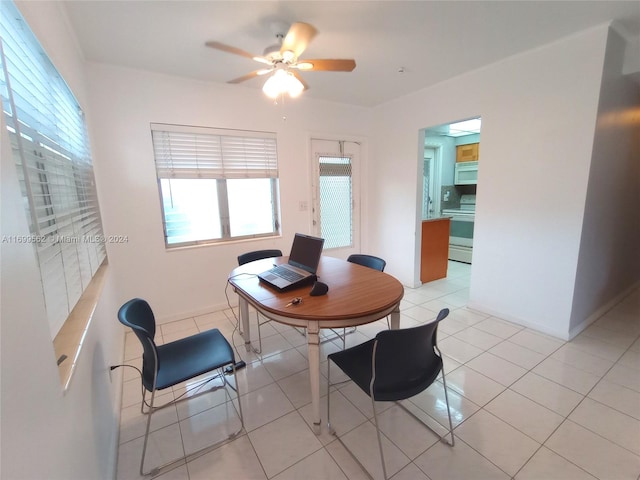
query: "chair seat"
355, 362
192, 356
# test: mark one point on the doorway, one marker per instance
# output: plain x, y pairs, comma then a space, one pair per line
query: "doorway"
450, 164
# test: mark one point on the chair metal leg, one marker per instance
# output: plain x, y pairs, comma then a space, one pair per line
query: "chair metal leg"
146, 434
186, 458
342, 336
446, 397
329, 427
375, 421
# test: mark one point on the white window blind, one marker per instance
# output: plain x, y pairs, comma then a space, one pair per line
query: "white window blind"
199, 152
50, 146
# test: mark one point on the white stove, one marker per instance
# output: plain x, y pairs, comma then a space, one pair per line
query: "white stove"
467, 207
461, 233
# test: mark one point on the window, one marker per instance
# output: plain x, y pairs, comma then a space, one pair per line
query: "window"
215, 185
50, 146
336, 199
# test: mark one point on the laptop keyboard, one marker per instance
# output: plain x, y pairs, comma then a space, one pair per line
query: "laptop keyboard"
287, 274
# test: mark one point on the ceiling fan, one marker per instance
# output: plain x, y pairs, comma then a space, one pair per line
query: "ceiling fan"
283, 61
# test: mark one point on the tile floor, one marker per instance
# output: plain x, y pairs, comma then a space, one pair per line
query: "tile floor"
525, 405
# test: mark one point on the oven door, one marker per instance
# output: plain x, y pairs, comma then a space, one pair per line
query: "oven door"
461, 233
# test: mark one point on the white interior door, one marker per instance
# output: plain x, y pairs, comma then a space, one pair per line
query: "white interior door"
336, 190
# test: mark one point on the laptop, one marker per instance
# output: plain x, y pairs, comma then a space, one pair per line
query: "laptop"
301, 268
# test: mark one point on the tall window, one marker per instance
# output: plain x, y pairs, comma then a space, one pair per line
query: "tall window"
50, 146
216, 185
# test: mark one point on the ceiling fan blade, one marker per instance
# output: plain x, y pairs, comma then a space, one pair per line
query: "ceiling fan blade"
299, 77
248, 76
330, 65
298, 37
229, 49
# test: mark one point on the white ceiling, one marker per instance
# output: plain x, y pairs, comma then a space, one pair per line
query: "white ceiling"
432, 41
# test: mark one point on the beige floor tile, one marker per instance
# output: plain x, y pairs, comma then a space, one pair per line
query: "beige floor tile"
547, 393
363, 443
478, 338
625, 376
460, 351
618, 397
317, 466
547, 465
597, 455
496, 368
473, 385
537, 342
209, 427
263, 406
517, 354
526, 415
498, 441
608, 423
410, 472
630, 359
344, 417
406, 432
574, 356
233, 460
620, 339
165, 445
285, 363
433, 403
283, 443
498, 327
566, 375
461, 462
597, 347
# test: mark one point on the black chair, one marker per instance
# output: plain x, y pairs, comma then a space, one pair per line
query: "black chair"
370, 261
394, 366
166, 365
251, 257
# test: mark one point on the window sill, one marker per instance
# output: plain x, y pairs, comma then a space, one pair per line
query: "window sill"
69, 340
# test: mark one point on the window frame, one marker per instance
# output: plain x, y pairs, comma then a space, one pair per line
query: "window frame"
222, 165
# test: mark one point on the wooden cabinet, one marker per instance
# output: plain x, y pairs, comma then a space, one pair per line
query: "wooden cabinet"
468, 153
434, 256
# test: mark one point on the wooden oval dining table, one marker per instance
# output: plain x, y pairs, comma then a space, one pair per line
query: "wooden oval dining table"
357, 295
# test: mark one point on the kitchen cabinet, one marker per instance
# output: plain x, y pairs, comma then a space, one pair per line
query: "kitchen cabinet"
468, 153
434, 255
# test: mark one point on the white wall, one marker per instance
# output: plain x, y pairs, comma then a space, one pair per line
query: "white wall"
609, 261
46, 433
538, 114
125, 102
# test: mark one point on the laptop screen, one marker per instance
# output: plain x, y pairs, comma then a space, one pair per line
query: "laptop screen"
305, 252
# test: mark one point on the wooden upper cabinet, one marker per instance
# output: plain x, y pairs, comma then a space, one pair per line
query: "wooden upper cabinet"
468, 153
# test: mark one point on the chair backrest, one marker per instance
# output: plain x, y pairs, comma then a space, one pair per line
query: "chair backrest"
406, 361
258, 255
137, 315
367, 261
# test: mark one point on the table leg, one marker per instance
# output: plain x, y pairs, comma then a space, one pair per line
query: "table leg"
313, 342
244, 318
395, 318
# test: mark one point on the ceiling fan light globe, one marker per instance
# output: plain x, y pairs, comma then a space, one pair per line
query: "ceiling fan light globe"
294, 86
271, 87
282, 82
